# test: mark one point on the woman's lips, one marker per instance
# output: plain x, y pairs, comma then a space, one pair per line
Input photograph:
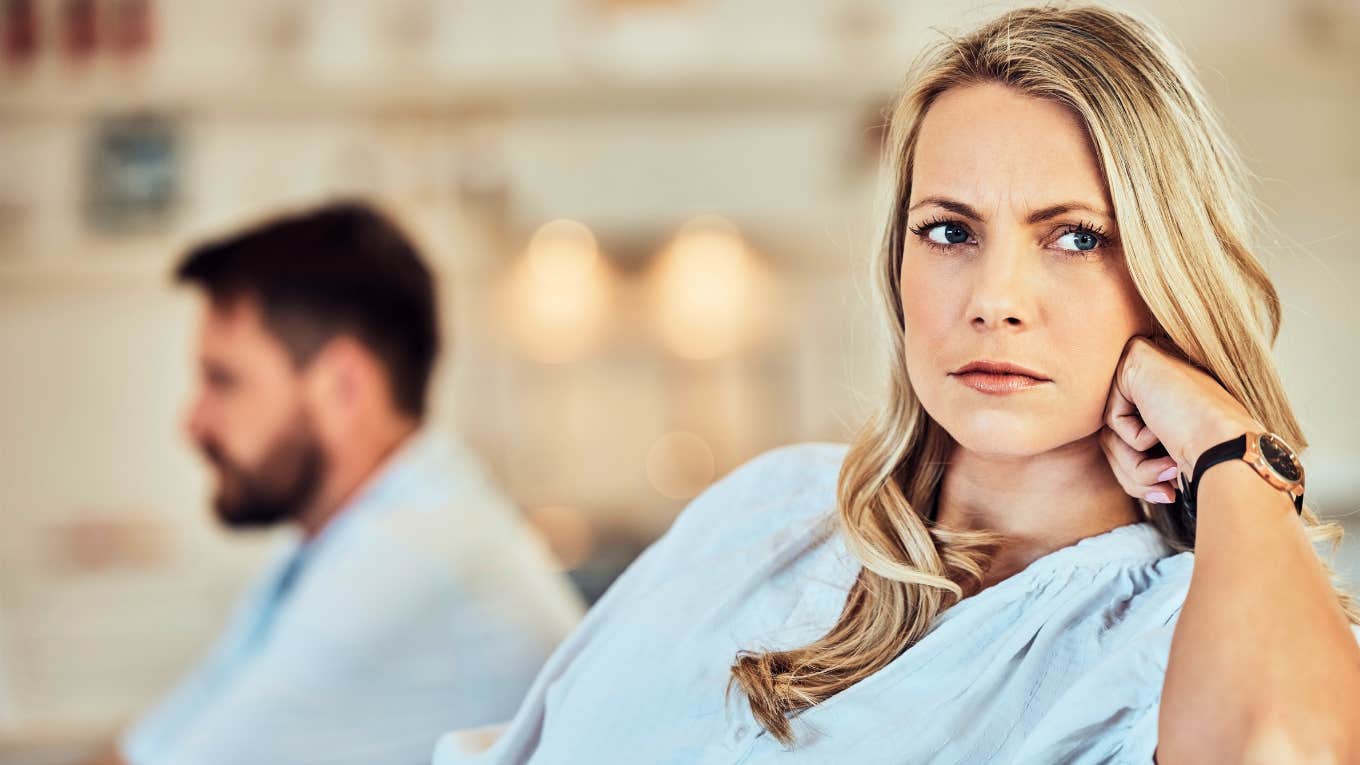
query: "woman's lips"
988, 382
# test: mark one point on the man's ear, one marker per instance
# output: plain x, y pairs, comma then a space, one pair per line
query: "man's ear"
342, 379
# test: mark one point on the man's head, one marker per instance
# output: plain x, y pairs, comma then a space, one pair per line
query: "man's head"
319, 330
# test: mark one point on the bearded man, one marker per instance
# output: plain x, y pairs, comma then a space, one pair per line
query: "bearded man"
412, 599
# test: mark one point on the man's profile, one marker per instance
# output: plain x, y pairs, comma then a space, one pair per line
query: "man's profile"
413, 598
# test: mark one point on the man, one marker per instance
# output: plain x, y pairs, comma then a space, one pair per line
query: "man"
414, 600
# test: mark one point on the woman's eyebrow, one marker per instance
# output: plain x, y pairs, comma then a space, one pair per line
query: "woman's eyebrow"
1038, 216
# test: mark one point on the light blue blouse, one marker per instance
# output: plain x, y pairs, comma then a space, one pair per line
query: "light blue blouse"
1062, 662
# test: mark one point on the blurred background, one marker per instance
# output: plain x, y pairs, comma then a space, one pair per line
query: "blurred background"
651, 219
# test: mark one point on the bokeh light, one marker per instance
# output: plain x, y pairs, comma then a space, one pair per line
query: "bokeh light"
710, 292
680, 465
559, 294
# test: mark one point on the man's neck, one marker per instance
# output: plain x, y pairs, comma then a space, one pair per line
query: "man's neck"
349, 471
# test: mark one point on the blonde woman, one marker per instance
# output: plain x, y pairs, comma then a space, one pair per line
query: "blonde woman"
999, 568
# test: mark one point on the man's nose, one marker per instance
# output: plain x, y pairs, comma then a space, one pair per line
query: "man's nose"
195, 420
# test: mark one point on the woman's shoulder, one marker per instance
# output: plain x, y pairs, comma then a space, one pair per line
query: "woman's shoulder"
785, 470
760, 505
779, 486
809, 460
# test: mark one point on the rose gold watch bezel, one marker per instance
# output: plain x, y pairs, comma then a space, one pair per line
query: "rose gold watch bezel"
1253, 456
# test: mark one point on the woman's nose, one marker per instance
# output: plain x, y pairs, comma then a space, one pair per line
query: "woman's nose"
1002, 293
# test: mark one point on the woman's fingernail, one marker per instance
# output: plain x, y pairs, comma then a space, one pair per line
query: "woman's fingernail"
1157, 496
1168, 474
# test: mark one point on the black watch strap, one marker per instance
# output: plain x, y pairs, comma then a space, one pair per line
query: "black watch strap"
1231, 449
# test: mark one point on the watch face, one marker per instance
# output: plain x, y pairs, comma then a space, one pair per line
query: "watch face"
1280, 457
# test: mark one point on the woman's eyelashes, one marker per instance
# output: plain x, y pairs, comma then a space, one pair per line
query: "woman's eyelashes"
1078, 238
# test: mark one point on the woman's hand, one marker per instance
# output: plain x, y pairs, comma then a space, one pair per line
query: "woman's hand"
1156, 397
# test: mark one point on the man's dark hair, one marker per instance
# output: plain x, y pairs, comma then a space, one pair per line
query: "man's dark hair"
340, 269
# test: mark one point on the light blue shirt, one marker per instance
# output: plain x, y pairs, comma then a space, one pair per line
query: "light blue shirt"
1061, 662
424, 601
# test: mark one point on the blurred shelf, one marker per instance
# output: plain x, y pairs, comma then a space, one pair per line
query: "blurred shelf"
139, 263
52, 98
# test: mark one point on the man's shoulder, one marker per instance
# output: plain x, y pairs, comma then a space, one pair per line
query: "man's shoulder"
440, 533
413, 569
439, 506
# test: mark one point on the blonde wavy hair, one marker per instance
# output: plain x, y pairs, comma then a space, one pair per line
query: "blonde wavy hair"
1187, 224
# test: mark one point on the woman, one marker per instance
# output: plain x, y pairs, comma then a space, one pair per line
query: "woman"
1003, 577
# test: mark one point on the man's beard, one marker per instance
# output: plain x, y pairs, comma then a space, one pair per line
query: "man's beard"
278, 489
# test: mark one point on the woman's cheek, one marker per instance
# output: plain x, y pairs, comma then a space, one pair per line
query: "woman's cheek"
1092, 364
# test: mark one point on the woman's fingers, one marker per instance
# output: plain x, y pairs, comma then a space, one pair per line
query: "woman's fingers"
1140, 475
1122, 417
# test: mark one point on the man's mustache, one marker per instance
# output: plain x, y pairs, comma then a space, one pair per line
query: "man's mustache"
214, 454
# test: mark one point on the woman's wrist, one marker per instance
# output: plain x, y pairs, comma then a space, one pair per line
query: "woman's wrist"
1209, 435
1237, 489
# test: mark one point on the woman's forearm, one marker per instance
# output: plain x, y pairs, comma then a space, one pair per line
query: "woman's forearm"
1263, 665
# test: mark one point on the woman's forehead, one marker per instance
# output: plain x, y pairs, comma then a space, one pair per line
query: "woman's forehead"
998, 149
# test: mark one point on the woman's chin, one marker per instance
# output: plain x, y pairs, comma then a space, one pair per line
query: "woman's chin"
1004, 436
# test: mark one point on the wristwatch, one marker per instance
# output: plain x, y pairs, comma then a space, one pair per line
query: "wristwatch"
1271, 457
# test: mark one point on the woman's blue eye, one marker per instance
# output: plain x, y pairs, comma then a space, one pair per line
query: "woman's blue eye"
1083, 240
953, 233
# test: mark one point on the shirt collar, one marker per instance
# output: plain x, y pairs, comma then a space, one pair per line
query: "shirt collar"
426, 461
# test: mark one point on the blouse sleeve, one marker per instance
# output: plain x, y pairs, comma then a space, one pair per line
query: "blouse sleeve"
1111, 714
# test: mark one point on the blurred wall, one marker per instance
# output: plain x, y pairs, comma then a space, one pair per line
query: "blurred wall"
477, 123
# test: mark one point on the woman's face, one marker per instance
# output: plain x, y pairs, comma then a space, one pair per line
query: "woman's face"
1012, 255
